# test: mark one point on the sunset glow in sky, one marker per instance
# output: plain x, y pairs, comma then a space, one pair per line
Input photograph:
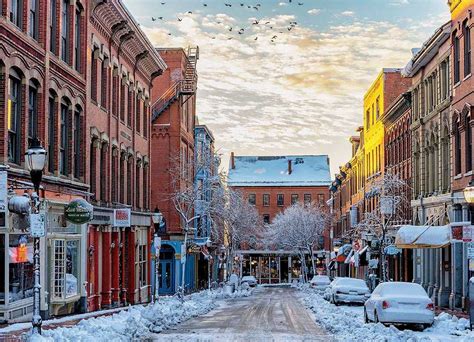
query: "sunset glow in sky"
303, 92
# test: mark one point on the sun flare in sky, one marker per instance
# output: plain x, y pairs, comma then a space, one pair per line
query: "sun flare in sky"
288, 77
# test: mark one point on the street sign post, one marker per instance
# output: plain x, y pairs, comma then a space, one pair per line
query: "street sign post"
37, 225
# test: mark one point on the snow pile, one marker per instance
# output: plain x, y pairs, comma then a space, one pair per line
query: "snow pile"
346, 323
139, 322
239, 293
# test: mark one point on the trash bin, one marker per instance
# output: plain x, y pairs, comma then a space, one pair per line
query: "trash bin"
471, 301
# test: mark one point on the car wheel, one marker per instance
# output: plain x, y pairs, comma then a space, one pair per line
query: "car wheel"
366, 318
334, 301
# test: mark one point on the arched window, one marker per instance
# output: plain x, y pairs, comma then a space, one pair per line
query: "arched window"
468, 135
52, 120
138, 112
123, 100
145, 186
65, 20
145, 118
113, 177
104, 96
129, 181
93, 166
78, 139
130, 105
14, 116
467, 48
445, 160
458, 150
104, 167
456, 57
115, 91
94, 69
138, 184
32, 112
63, 138
123, 158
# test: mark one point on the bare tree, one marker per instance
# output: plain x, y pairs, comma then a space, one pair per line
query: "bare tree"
299, 227
194, 200
242, 222
392, 197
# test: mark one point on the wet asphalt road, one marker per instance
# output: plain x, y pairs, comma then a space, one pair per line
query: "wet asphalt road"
270, 314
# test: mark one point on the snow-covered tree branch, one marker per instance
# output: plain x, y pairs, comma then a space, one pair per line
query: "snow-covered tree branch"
299, 227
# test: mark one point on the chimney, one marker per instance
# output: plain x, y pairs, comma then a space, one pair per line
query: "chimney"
290, 169
232, 160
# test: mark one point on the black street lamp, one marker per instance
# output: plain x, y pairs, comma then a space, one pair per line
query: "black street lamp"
35, 160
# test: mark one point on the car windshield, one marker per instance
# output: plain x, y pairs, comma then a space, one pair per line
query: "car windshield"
404, 289
352, 282
321, 278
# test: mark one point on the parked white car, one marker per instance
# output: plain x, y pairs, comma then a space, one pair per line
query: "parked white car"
349, 291
327, 291
320, 282
399, 303
250, 280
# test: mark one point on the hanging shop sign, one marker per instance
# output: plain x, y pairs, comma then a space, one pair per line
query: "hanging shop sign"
37, 225
387, 205
3, 191
79, 211
470, 250
467, 233
122, 217
392, 250
456, 232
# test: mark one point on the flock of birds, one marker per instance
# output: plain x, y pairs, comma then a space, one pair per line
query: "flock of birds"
242, 31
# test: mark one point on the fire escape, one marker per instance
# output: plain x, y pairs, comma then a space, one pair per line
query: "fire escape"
183, 87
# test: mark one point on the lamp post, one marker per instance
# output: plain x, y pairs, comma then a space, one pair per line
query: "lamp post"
35, 159
469, 196
157, 221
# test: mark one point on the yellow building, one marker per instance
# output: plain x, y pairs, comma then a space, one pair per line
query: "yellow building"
459, 6
388, 85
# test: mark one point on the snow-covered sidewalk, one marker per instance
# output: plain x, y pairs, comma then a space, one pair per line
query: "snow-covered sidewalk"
139, 321
346, 323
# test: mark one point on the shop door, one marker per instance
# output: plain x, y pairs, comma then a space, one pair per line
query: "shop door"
166, 277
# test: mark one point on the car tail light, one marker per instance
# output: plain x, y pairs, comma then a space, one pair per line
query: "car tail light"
385, 305
430, 306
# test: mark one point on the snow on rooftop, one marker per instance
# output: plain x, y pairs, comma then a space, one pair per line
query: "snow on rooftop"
307, 170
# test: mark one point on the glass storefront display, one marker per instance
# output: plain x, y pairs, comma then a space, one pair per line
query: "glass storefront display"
66, 268
271, 269
20, 255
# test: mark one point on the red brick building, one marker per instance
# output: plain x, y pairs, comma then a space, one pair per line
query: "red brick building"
272, 184
43, 95
172, 139
121, 67
397, 122
462, 120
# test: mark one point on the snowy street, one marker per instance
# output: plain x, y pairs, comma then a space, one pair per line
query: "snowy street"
270, 314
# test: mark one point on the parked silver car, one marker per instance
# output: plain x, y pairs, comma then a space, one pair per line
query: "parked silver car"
349, 291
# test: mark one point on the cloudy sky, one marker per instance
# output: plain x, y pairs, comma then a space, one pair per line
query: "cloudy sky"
277, 89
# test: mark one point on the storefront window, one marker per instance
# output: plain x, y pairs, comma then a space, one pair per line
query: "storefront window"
2, 269
141, 258
20, 255
72, 269
66, 268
